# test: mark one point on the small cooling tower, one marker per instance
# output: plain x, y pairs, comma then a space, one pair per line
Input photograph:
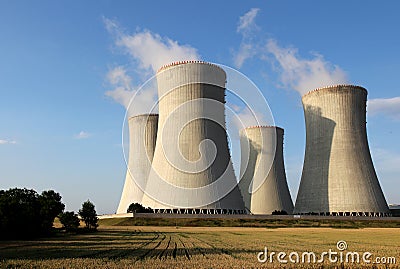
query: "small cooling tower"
263, 184
338, 174
142, 141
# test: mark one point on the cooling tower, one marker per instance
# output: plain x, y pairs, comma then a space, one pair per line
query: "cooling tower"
338, 174
263, 184
142, 141
192, 169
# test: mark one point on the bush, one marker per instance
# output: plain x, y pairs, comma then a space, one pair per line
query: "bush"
69, 220
279, 212
138, 208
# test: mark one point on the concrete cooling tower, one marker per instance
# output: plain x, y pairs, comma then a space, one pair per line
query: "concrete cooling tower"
338, 174
192, 170
263, 179
142, 141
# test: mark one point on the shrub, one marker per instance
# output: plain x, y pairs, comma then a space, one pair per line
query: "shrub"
69, 220
279, 212
138, 208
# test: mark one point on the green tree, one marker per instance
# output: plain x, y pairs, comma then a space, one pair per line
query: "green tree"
89, 215
19, 213
69, 220
138, 208
50, 207
25, 214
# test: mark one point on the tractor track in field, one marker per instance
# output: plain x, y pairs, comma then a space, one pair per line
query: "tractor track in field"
194, 246
174, 251
168, 246
161, 246
141, 257
124, 253
185, 249
218, 249
199, 249
165, 249
154, 252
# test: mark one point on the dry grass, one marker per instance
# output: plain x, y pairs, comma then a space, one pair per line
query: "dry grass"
193, 247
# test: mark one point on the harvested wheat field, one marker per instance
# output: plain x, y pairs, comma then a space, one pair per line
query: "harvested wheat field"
205, 247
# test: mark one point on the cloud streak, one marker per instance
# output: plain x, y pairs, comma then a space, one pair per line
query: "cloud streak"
82, 135
295, 72
247, 28
389, 107
7, 141
247, 21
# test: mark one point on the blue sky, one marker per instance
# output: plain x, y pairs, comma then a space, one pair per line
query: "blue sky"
67, 66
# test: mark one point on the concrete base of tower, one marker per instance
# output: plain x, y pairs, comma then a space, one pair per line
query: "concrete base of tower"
206, 211
348, 214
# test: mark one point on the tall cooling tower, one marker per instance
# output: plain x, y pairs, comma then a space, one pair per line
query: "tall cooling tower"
142, 141
192, 169
338, 174
263, 184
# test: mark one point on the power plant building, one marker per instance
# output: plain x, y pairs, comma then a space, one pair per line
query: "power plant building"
338, 175
263, 179
142, 141
192, 170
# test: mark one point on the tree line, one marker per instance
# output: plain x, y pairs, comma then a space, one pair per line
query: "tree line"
26, 214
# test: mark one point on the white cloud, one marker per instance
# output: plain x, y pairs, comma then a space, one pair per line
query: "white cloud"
238, 117
389, 107
247, 118
246, 51
152, 51
120, 95
148, 52
143, 100
247, 28
246, 22
295, 72
82, 135
118, 76
121, 82
7, 141
304, 75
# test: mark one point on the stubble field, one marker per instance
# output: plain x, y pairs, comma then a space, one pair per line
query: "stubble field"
196, 247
